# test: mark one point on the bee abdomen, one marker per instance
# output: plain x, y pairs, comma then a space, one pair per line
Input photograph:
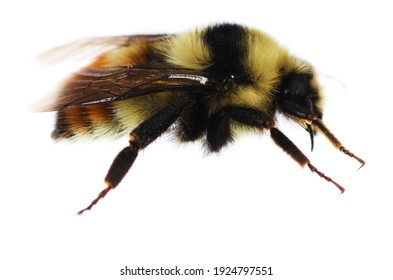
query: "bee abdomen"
91, 121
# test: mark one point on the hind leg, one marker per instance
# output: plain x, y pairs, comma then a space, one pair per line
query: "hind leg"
140, 137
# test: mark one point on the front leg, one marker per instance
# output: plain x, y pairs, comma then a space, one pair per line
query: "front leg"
255, 118
315, 121
140, 137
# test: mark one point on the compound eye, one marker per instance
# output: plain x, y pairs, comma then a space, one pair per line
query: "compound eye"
296, 85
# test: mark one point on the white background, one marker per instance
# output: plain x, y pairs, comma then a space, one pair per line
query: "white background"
249, 206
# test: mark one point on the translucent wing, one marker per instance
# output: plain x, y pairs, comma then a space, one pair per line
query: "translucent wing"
90, 48
129, 68
108, 84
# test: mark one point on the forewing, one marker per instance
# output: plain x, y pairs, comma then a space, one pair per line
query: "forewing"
108, 84
90, 48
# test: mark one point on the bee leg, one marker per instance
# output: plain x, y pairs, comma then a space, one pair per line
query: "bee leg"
218, 131
140, 137
294, 152
249, 117
316, 121
335, 142
261, 120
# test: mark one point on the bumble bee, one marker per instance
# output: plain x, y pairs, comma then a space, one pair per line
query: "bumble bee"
207, 84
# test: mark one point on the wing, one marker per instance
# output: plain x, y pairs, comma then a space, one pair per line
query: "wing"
108, 84
90, 48
126, 67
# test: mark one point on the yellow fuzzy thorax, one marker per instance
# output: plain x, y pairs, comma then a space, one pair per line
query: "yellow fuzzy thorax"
266, 61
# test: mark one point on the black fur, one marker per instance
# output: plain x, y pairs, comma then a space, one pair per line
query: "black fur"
218, 131
296, 89
227, 44
192, 122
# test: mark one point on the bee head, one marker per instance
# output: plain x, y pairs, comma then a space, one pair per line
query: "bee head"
299, 99
299, 93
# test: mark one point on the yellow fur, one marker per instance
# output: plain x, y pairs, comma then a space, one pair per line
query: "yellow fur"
133, 111
264, 61
187, 50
